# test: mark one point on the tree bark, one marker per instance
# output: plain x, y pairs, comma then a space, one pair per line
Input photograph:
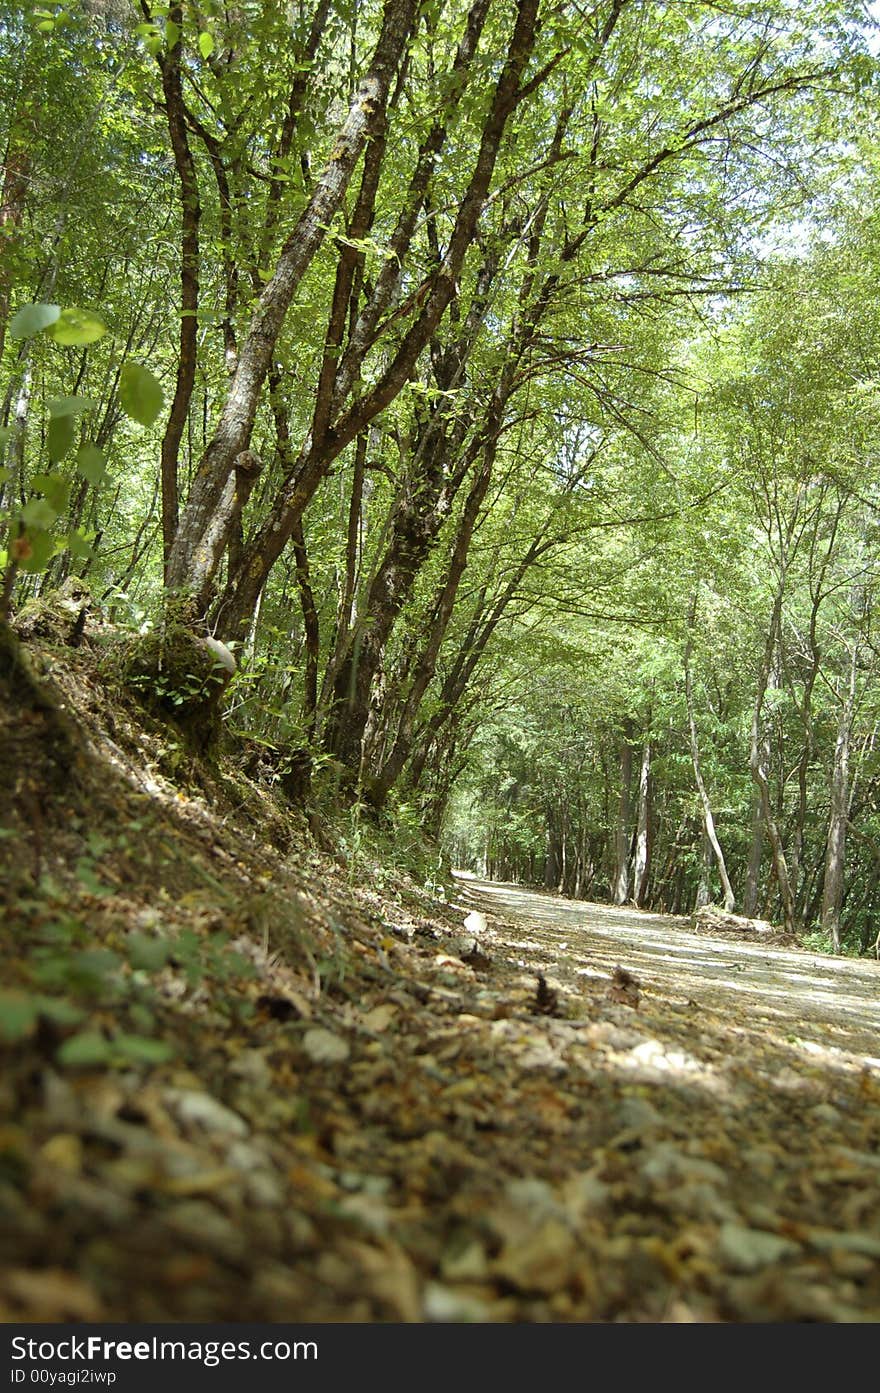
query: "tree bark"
435, 297
835, 855
705, 804
198, 546
753, 870
191, 212
642, 857
312, 632
704, 885
623, 832
438, 468
758, 755
426, 663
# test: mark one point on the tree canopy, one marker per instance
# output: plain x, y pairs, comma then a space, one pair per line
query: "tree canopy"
498, 383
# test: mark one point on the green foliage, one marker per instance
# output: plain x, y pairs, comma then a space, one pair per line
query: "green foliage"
140, 393
21, 1012
106, 1003
75, 328
656, 436
32, 319
91, 463
91, 1049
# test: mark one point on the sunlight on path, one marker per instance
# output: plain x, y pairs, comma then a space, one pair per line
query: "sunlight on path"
835, 1001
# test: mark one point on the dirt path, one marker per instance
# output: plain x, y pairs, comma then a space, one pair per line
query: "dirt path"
244, 1078
831, 1002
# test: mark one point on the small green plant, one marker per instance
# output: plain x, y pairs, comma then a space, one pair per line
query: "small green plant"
33, 530
71, 979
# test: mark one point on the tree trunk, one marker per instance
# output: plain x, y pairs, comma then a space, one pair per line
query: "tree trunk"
642, 858
832, 894
191, 212
758, 755
311, 630
426, 662
440, 290
198, 546
753, 871
623, 834
708, 819
704, 886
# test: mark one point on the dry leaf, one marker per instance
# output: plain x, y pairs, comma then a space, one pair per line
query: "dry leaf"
323, 1047
53, 1295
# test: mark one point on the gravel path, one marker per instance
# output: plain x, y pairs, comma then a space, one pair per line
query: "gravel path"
833, 1002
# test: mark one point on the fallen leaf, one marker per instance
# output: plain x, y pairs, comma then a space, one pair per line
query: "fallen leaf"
380, 1018
53, 1294
323, 1047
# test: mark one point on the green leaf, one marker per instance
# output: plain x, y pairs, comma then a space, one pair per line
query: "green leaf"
59, 437
74, 328
142, 1017
40, 550
55, 488
78, 545
147, 953
206, 44
140, 1050
59, 1011
86, 1048
69, 406
94, 964
172, 33
32, 319
5, 474
140, 393
237, 965
18, 1016
38, 513
91, 463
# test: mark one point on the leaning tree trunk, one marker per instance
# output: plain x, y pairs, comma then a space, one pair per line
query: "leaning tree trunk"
187, 348
319, 452
835, 854
708, 819
197, 546
704, 885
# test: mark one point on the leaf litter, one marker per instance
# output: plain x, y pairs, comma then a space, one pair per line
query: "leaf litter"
288, 1089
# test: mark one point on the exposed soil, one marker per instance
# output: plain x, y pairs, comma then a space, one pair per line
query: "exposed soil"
247, 1078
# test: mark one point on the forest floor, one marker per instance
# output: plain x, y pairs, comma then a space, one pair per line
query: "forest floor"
245, 1076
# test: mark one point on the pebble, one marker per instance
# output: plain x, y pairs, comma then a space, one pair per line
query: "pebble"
749, 1249
824, 1112
199, 1223
443, 1304
666, 1163
201, 1110
638, 1115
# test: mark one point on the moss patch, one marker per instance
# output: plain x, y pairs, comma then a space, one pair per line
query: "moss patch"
172, 670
